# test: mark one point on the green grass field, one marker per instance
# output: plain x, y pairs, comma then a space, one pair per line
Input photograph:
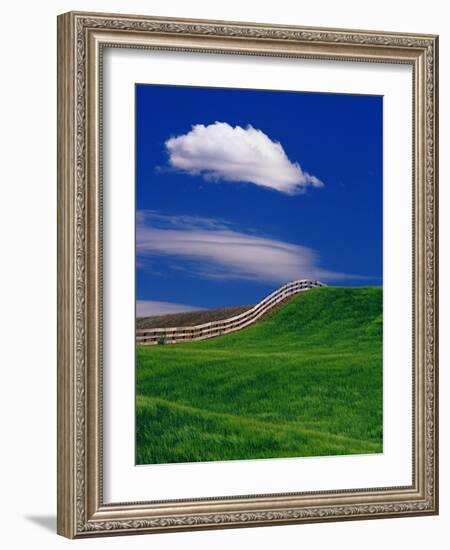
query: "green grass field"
307, 381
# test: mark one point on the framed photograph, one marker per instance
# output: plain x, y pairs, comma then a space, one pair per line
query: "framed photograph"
247, 276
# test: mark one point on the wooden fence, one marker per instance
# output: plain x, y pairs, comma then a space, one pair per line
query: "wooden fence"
176, 335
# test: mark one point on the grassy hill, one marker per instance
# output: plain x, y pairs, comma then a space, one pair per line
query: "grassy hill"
305, 382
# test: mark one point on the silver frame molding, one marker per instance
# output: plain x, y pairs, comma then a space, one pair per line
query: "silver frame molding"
81, 38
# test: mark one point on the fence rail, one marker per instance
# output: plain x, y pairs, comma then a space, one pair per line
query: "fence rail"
176, 335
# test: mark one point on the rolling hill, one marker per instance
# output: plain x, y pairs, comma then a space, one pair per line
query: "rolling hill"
307, 381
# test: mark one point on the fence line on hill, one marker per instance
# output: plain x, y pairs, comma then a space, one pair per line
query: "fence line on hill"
176, 335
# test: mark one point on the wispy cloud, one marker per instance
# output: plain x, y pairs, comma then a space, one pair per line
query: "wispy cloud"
235, 154
148, 308
215, 249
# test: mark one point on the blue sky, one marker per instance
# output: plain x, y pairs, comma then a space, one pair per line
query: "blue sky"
239, 191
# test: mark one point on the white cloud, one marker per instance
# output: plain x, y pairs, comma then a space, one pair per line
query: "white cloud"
223, 152
213, 249
148, 308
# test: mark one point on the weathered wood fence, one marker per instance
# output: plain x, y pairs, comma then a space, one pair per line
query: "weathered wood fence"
175, 335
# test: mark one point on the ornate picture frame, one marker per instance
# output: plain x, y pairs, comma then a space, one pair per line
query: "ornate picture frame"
82, 39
